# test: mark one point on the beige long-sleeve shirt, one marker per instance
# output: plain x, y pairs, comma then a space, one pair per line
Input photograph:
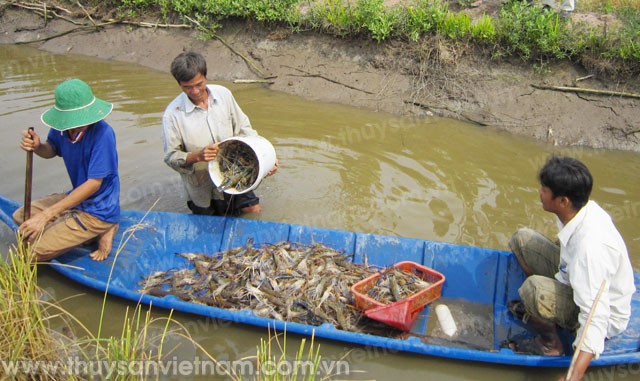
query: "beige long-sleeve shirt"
189, 128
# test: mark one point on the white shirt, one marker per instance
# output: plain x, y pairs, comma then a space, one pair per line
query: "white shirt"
189, 128
592, 250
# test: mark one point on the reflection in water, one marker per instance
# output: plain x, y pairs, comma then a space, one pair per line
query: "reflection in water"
340, 167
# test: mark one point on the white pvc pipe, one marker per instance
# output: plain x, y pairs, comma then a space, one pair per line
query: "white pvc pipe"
445, 319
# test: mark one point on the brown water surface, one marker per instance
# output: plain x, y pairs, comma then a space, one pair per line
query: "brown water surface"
340, 167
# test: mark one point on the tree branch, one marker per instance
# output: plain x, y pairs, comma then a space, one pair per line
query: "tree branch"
217, 37
586, 91
47, 38
307, 74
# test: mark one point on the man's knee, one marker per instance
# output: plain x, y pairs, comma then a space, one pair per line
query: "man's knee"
529, 294
528, 289
520, 238
40, 254
18, 216
539, 297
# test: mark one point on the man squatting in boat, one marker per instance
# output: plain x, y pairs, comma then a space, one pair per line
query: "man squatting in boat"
564, 278
87, 145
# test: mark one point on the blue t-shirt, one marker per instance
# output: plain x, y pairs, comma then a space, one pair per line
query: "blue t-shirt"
94, 156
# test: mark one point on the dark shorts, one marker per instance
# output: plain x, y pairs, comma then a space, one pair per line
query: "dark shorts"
231, 205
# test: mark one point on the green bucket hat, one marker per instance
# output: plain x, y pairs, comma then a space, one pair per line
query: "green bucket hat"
76, 106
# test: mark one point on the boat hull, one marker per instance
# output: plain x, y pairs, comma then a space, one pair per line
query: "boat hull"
147, 243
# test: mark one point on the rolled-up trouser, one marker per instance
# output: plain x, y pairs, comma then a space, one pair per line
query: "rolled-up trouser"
70, 229
544, 296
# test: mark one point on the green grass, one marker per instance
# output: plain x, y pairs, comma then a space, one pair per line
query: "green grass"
529, 33
35, 330
517, 31
271, 359
24, 316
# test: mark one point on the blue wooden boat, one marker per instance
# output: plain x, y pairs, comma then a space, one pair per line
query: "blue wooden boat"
483, 279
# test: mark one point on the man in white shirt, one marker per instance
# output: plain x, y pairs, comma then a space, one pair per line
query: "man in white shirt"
563, 279
193, 124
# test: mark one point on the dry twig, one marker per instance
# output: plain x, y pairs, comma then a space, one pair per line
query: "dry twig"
217, 37
253, 81
86, 13
144, 24
307, 74
586, 91
80, 28
37, 6
461, 115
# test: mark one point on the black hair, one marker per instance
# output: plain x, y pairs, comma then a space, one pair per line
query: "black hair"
568, 177
187, 65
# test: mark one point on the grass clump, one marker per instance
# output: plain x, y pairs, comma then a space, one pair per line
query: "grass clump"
528, 32
456, 26
24, 327
38, 340
425, 17
629, 46
270, 362
333, 17
375, 19
483, 30
137, 344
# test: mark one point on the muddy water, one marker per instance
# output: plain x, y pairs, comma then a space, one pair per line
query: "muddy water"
340, 167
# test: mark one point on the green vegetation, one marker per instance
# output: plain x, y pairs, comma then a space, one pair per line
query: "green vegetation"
271, 365
24, 331
529, 33
39, 337
519, 30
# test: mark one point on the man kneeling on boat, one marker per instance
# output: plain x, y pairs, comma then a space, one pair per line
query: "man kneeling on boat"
589, 268
87, 145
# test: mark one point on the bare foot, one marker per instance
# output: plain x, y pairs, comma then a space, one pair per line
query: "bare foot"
550, 348
105, 242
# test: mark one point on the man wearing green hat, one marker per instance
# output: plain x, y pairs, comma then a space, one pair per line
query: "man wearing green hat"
87, 145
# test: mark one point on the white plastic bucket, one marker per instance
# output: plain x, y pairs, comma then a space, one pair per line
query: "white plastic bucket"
264, 152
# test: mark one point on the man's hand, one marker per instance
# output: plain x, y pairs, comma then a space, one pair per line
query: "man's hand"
31, 228
579, 367
274, 169
30, 140
210, 152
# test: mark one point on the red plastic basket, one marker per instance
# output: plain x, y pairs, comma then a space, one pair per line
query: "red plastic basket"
402, 313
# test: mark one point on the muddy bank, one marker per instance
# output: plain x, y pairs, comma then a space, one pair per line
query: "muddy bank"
406, 79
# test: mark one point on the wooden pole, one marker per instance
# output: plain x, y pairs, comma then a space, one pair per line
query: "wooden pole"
27, 184
584, 331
